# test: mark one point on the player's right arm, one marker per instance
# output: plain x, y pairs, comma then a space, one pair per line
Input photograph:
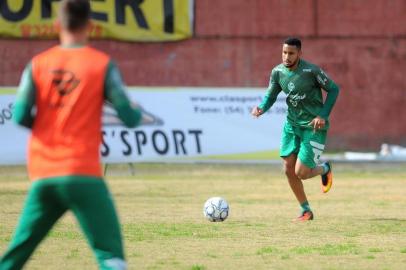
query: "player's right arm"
332, 90
25, 100
270, 97
114, 93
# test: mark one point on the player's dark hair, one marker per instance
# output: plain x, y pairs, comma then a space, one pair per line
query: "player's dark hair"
293, 41
74, 14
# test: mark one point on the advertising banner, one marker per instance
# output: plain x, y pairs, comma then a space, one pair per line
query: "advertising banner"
177, 123
136, 20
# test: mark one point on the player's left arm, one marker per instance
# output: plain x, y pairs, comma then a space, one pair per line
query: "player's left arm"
25, 100
114, 92
332, 90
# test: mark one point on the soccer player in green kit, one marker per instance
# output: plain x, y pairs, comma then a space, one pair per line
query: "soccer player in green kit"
305, 131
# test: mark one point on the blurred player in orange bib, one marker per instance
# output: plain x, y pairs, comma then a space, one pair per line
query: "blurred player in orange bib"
60, 98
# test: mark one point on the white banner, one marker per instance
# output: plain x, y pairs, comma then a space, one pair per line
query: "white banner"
177, 123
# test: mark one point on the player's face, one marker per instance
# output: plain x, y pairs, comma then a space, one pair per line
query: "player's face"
290, 55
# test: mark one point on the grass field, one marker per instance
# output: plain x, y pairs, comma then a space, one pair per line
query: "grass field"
360, 224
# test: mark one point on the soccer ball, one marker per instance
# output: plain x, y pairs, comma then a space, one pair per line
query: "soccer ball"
216, 209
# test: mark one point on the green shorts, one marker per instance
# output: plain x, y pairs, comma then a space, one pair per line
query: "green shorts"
48, 199
305, 142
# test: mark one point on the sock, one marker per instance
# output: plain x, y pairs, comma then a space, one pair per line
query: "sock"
326, 168
305, 207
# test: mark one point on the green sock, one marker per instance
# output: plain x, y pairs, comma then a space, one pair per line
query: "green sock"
305, 207
326, 168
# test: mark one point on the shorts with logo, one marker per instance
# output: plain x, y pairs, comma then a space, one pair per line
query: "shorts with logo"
305, 142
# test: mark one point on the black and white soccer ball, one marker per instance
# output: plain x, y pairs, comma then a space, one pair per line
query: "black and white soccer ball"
216, 209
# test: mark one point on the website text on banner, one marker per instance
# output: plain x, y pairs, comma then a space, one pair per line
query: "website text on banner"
177, 123
139, 20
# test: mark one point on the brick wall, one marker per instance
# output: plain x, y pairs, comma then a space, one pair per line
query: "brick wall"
361, 45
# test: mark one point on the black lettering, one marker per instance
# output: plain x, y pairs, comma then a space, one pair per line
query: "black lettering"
99, 16
181, 141
15, 16
197, 133
155, 144
168, 16
105, 151
135, 6
1, 120
46, 8
128, 150
141, 139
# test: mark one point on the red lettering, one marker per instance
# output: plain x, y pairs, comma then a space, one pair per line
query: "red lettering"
25, 30
96, 31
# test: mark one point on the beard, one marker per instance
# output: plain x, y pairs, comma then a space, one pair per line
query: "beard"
291, 64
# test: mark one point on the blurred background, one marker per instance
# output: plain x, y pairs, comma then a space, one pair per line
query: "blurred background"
361, 44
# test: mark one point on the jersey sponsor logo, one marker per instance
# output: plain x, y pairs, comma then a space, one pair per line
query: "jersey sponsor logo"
294, 99
307, 70
64, 81
291, 86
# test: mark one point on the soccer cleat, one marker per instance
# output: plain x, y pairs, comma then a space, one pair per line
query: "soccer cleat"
327, 178
306, 216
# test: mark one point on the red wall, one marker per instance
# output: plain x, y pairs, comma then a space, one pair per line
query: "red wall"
361, 44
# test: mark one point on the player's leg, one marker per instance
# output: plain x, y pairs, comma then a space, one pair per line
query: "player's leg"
91, 202
294, 182
307, 166
290, 145
41, 210
304, 172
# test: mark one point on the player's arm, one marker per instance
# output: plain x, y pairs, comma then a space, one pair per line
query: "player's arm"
25, 100
114, 92
332, 90
270, 97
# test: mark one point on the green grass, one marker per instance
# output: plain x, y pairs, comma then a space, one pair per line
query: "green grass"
8, 90
359, 224
262, 155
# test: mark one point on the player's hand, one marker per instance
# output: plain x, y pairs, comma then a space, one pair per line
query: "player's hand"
256, 111
318, 123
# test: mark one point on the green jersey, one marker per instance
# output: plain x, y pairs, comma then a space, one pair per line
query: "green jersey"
302, 87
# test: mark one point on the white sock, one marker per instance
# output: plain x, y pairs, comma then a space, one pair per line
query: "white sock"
326, 168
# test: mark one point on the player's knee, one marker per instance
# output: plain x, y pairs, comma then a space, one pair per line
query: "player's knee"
289, 169
302, 174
